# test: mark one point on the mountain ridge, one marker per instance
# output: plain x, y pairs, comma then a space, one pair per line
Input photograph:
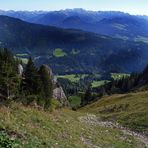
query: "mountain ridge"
88, 21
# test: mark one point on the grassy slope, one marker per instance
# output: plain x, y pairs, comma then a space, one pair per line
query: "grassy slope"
99, 83
71, 77
60, 129
75, 101
130, 110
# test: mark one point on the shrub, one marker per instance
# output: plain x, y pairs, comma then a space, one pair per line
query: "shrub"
8, 142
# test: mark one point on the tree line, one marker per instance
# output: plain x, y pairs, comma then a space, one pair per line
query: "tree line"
32, 85
134, 82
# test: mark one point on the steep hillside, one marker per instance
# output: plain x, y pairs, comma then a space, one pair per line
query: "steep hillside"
130, 110
71, 51
125, 27
29, 127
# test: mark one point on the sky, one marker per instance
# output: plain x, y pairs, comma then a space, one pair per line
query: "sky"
130, 6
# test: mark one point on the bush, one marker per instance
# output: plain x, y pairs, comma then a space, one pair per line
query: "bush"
7, 142
28, 100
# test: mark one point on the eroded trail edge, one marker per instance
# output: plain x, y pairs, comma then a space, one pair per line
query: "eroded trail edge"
93, 120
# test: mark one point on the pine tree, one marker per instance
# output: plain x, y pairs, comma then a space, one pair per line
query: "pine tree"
9, 80
32, 80
87, 96
46, 83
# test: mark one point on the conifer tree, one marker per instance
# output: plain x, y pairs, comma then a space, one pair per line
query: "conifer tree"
87, 96
32, 79
9, 80
46, 85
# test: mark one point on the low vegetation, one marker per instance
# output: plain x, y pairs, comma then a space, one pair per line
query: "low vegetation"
75, 101
130, 110
31, 127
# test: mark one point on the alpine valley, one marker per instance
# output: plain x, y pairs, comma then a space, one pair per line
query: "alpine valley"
73, 78
107, 37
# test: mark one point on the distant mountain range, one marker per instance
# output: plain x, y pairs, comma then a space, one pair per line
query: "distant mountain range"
112, 23
71, 50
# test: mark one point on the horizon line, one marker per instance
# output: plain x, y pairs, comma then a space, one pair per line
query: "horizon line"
35, 10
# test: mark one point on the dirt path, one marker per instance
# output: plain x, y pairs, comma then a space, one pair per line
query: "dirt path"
92, 119
89, 143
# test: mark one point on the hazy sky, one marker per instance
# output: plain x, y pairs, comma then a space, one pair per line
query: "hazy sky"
131, 6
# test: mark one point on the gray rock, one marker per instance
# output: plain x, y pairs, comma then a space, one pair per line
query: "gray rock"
20, 69
58, 92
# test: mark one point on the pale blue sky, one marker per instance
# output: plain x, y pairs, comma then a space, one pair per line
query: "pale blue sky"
131, 6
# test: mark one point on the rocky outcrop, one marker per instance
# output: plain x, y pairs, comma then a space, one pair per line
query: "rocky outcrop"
20, 69
58, 92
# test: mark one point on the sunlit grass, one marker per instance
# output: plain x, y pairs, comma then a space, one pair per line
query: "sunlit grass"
129, 109
60, 128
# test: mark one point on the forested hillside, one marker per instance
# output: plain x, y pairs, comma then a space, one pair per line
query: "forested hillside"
128, 83
71, 51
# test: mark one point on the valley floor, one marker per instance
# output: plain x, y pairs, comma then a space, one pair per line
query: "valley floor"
91, 126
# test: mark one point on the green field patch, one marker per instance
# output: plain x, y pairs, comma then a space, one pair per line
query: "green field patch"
21, 54
98, 83
75, 101
58, 52
73, 77
118, 76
